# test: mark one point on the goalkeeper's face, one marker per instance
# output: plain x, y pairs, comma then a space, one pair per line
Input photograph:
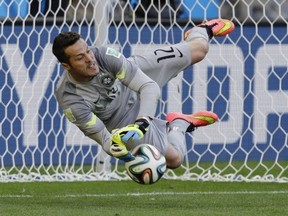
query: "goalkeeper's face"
82, 63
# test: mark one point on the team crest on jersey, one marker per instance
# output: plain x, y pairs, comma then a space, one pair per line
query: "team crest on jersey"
113, 52
107, 79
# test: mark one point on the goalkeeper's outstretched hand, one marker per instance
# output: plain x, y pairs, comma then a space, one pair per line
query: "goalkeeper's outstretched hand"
118, 148
123, 135
134, 131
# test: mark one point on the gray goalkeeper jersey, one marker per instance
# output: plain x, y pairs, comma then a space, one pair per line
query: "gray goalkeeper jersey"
112, 98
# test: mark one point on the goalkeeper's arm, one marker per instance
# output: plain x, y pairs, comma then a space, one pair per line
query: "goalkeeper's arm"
149, 92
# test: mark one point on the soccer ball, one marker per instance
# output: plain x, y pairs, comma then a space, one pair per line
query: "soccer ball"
149, 164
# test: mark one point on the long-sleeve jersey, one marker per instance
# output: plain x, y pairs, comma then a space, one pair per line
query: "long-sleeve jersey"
113, 98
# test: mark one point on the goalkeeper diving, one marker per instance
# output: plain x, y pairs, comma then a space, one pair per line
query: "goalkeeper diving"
113, 99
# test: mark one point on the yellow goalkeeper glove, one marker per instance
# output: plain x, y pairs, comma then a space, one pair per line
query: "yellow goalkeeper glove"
121, 136
135, 131
118, 148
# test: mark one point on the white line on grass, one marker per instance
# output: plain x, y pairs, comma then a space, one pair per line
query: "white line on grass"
153, 194
15, 196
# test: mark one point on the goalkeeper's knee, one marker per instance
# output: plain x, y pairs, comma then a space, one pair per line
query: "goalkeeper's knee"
174, 157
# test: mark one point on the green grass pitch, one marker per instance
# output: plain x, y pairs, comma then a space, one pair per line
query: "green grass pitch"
122, 198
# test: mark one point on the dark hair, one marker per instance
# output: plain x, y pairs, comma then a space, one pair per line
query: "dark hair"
61, 42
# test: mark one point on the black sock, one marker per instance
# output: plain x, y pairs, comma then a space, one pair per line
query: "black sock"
209, 31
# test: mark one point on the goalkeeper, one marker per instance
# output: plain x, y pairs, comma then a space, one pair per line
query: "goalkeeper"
113, 99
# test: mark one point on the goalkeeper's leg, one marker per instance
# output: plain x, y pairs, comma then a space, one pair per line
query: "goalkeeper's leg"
198, 37
193, 121
179, 124
165, 63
